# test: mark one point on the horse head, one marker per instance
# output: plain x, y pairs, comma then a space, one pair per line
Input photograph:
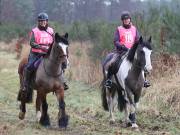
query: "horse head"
143, 54
140, 54
60, 47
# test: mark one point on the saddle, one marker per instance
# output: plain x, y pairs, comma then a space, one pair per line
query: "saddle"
115, 64
34, 66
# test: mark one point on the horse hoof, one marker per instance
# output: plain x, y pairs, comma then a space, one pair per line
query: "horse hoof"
112, 121
63, 121
126, 124
21, 115
135, 126
45, 121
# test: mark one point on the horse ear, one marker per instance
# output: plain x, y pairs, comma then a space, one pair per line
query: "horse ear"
149, 40
57, 37
140, 39
66, 35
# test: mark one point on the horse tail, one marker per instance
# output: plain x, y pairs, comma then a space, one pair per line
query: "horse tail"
121, 99
22, 63
103, 96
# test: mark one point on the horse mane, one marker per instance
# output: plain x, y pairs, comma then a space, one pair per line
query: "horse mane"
132, 52
57, 38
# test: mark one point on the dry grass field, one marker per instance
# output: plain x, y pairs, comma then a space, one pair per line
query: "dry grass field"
158, 114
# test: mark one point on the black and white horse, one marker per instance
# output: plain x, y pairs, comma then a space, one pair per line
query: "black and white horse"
127, 81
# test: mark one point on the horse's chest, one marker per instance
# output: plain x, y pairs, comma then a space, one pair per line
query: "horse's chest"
123, 72
133, 81
49, 83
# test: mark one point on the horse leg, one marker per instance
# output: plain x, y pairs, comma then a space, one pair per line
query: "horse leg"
63, 118
38, 106
128, 108
136, 100
115, 103
132, 116
22, 110
109, 99
19, 97
132, 109
22, 106
44, 120
127, 112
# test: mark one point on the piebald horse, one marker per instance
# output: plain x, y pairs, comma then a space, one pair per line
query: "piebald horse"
128, 81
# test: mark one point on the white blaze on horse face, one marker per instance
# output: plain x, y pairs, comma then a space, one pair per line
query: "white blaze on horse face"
147, 52
123, 72
67, 62
64, 48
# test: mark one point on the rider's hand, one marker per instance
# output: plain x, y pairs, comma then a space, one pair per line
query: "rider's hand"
44, 48
124, 48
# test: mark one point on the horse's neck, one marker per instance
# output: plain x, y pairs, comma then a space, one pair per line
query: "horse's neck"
53, 63
136, 68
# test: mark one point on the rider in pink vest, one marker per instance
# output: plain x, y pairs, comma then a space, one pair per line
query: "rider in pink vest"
41, 41
125, 35
124, 38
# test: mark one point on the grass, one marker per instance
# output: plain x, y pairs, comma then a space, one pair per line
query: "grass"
83, 104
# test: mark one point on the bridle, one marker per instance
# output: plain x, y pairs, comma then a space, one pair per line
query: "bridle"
55, 61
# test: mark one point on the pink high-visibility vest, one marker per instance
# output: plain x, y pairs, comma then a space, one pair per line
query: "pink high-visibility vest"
43, 38
127, 36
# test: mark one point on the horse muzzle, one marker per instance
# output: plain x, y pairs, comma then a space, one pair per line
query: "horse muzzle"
147, 69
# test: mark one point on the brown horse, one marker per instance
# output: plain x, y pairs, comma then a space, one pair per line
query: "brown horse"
48, 78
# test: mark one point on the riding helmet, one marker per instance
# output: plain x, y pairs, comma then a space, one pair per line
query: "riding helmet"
125, 15
42, 16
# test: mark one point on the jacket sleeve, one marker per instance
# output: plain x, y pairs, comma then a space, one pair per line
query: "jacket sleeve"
117, 44
32, 42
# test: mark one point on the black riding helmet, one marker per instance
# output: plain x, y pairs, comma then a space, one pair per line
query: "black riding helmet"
42, 17
125, 15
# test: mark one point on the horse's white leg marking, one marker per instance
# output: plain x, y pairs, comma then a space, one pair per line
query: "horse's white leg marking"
132, 108
38, 116
127, 120
115, 101
136, 105
147, 52
134, 125
110, 105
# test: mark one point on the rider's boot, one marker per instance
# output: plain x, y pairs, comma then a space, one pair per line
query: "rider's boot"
27, 90
108, 82
147, 84
65, 86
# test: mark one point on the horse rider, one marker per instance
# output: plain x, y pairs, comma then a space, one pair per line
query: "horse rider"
41, 40
124, 38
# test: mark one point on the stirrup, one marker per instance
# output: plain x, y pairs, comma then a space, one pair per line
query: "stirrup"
146, 84
66, 86
108, 83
